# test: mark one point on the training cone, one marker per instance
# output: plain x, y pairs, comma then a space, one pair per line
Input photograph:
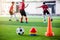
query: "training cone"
33, 31
49, 28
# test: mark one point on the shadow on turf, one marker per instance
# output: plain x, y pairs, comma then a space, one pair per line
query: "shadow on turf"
33, 36
42, 35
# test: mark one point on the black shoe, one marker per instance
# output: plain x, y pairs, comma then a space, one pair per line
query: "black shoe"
51, 19
22, 22
44, 20
17, 20
9, 19
26, 22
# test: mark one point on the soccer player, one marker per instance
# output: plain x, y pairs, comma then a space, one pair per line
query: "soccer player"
22, 11
12, 11
45, 10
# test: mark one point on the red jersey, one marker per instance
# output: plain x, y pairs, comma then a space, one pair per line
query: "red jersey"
11, 8
45, 7
21, 6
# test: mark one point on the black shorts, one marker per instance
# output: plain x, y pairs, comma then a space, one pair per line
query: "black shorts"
22, 12
44, 12
11, 13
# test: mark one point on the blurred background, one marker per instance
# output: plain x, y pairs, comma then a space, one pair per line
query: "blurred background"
31, 9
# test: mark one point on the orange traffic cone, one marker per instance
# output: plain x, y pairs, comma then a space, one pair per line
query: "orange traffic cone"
49, 28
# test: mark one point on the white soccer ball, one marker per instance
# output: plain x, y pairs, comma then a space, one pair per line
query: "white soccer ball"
20, 31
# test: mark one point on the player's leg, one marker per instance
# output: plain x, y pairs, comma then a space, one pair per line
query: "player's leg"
15, 17
44, 15
21, 12
11, 15
49, 15
25, 17
21, 19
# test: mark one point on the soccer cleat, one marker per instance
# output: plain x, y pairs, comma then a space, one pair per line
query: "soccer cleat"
9, 19
26, 22
22, 22
44, 21
17, 20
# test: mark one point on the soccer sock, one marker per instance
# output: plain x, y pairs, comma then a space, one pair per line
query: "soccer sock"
10, 17
44, 17
26, 19
15, 16
21, 19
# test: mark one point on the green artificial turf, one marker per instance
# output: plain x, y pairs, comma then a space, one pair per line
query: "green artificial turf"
8, 29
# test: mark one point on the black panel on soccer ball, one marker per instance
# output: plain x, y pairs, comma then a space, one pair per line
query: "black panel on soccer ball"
20, 30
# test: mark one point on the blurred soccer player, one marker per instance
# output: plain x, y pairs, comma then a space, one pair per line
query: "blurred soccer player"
45, 10
12, 11
22, 11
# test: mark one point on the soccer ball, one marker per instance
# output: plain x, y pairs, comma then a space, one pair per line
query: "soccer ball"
20, 31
